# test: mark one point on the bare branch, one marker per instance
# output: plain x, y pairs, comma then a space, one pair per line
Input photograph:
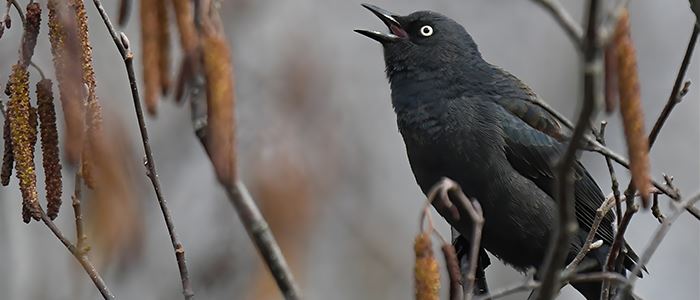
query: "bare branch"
152, 174
527, 285
656, 240
77, 211
450, 201
81, 256
599, 215
264, 241
676, 91
572, 29
592, 70
613, 178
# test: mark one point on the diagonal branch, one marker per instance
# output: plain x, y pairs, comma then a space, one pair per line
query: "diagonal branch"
79, 255
656, 240
572, 29
122, 44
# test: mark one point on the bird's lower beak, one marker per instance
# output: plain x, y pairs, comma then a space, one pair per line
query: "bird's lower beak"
396, 32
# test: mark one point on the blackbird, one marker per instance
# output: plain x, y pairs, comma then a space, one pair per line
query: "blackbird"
466, 119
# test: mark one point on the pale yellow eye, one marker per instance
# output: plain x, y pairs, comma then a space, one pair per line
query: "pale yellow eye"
426, 31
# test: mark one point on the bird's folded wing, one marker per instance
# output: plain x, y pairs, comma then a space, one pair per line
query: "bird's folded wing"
534, 155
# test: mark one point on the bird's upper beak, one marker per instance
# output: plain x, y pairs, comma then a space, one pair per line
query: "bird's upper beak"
396, 31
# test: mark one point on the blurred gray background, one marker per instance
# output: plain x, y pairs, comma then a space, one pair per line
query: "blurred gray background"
320, 150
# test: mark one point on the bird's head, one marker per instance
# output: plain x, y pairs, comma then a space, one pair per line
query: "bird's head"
421, 41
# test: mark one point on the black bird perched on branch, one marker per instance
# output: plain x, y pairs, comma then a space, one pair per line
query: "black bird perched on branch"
470, 121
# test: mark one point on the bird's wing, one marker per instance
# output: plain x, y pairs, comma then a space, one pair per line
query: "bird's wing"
518, 99
533, 154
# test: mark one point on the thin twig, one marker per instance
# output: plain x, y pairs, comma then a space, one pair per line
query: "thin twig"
656, 240
617, 248
570, 26
150, 164
264, 241
526, 285
77, 211
611, 169
473, 209
599, 215
592, 67
19, 10
678, 85
81, 256
450, 201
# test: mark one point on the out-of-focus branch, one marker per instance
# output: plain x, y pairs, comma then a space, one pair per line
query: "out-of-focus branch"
81, 256
559, 246
570, 26
122, 44
249, 213
656, 240
260, 233
255, 224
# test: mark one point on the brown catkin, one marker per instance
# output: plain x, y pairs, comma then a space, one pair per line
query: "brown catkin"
150, 49
163, 45
19, 113
218, 72
94, 113
427, 275
31, 31
49, 147
8, 159
185, 25
85, 49
188, 42
631, 109
93, 117
65, 49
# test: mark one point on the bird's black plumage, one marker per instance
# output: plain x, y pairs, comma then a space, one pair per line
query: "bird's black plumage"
468, 120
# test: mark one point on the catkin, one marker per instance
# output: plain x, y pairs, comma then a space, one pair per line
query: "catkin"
8, 159
163, 46
218, 72
31, 31
427, 275
631, 109
149, 42
65, 49
49, 147
19, 113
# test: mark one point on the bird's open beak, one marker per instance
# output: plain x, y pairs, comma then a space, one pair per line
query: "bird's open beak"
396, 32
